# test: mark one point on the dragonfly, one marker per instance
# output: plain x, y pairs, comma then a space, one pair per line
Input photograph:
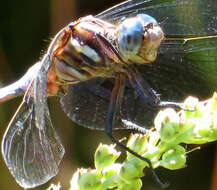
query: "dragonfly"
120, 65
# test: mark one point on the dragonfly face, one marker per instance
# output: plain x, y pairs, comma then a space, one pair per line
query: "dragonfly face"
138, 39
97, 62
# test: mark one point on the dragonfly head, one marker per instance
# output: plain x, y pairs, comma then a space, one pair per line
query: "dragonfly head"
138, 39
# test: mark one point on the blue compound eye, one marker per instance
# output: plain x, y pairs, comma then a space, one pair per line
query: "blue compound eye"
130, 36
147, 18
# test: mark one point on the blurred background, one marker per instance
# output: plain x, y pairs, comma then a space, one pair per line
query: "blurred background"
26, 28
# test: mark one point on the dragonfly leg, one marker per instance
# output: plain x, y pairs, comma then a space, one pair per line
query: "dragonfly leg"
115, 101
148, 95
175, 105
143, 90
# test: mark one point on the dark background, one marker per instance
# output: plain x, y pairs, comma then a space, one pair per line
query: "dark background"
26, 28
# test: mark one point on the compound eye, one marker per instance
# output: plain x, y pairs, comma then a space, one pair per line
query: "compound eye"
147, 19
130, 36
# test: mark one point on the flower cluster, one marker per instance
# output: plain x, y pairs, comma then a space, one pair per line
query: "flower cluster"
164, 146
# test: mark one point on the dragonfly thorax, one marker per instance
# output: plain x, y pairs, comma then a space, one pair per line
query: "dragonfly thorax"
85, 51
91, 48
138, 39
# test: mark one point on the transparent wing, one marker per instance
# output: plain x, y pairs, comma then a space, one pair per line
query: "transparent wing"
87, 104
183, 69
32, 154
40, 91
31, 147
177, 17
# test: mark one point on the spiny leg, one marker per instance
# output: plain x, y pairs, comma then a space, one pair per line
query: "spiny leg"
148, 95
115, 102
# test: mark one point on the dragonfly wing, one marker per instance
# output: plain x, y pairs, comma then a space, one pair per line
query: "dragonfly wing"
87, 104
183, 69
31, 147
177, 17
32, 154
40, 91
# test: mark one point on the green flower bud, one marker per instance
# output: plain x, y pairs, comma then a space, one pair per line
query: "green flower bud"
166, 116
137, 143
132, 169
105, 155
111, 176
111, 170
203, 127
193, 110
131, 185
167, 124
89, 180
174, 158
191, 103
169, 131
